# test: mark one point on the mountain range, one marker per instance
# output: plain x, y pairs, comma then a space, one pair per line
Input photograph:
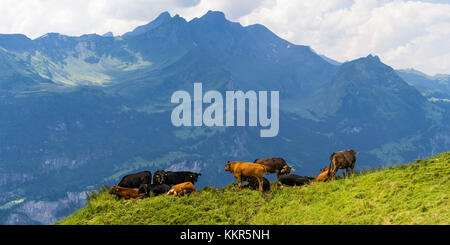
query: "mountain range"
80, 112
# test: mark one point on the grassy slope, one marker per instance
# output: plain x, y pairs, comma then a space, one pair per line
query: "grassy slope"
415, 193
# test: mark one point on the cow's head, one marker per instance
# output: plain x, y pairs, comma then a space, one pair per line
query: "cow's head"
286, 169
353, 152
159, 177
194, 176
228, 166
114, 190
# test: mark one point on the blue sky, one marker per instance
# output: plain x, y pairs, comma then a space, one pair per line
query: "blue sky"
404, 34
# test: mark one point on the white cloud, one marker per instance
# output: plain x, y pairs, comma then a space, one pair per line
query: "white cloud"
403, 33
76, 17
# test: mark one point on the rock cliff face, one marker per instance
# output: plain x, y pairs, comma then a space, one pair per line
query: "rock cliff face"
45, 212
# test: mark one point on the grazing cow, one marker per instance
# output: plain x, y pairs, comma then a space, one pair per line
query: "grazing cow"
275, 165
324, 176
135, 180
294, 180
240, 169
182, 189
253, 183
125, 192
157, 189
342, 160
173, 178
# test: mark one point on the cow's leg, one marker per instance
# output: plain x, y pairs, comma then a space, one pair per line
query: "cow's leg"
278, 177
333, 170
260, 184
239, 181
346, 173
334, 173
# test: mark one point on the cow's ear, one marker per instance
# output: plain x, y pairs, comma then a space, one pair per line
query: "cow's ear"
356, 153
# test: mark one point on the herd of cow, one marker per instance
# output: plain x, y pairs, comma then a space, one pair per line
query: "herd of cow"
140, 184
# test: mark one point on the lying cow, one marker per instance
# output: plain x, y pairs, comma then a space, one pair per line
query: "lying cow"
182, 189
342, 160
156, 189
240, 169
324, 176
275, 165
253, 183
173, 178
124, 192
294, 180
135, 180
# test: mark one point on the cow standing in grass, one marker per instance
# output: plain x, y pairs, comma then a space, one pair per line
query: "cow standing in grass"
135, 180
275, 165
240, 169
342, 160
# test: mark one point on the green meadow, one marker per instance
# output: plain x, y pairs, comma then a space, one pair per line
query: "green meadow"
408, 194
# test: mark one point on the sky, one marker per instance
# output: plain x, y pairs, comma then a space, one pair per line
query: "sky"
403, 33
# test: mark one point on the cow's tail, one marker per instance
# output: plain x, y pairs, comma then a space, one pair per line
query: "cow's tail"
329, 168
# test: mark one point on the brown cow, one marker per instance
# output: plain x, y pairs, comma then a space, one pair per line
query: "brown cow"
342, 160
125, 192
181, 189
275, 165
323, 177
240, 169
